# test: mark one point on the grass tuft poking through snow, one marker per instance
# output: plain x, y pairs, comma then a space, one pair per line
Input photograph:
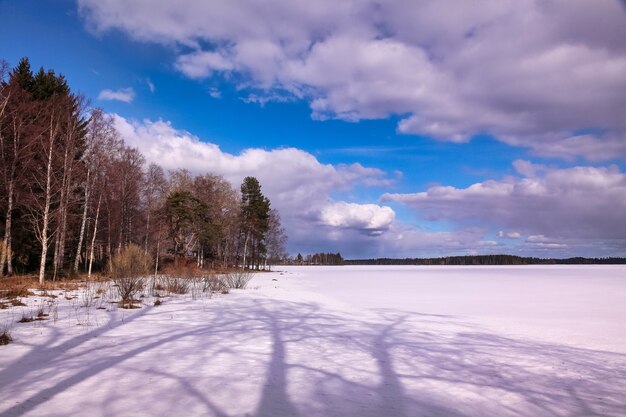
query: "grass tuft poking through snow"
5, 337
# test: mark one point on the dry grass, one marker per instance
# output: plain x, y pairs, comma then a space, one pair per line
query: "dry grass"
184, 271
238, 279
182, 279
16, 286
5, 337
21, 286
213, 283
25, 319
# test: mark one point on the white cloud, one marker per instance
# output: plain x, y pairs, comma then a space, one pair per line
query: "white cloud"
294, 180
369, 218
509, 235
405, 241
215, 93
535, 74
150, 85
580, 202
292, 173
202, 64
126, 95
537, 238
552, 245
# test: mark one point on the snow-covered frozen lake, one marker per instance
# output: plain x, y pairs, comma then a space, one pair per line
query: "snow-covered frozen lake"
338, 341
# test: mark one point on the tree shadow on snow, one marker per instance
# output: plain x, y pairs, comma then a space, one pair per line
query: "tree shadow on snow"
295, 359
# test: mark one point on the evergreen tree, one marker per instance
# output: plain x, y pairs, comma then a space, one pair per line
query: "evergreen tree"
255, 213
184, 212
22, 75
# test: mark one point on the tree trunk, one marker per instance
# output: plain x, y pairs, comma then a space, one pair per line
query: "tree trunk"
55, 257
147, 231
60, 232
245, 249
46, 209
156, 261
109, 242
93, 238
83, 224
5, 250
64, 208
5, 253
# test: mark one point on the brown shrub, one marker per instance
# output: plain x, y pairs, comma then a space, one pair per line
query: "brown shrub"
128, 270
238, 279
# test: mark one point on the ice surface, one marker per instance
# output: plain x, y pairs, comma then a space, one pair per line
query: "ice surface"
337, 341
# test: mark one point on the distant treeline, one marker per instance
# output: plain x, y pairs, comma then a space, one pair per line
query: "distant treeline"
486, 260
315, 259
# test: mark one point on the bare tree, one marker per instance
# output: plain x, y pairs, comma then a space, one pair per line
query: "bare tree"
155, 193
276, 239
43, 178
130, 176
103, 161
72, 142
101, 142
222, 204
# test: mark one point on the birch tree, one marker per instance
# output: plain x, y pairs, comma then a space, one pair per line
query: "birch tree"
102, 142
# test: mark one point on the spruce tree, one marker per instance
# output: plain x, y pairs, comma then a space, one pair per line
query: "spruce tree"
255, 212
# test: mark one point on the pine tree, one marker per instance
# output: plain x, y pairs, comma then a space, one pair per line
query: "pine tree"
255, 210
22, 75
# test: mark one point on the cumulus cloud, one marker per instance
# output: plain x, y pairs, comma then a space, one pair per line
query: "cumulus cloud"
291, 174
533, 74
369, 218
127, 95
298, 185
202, 64
578, 203
509, 235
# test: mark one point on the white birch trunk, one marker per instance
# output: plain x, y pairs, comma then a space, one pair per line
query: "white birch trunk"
46, 209
156, 261
93, 238
5, 253
83, 224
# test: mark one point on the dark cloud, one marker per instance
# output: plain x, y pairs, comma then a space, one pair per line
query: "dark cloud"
584, 204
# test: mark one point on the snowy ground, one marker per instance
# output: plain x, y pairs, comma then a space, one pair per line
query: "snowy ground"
334, 341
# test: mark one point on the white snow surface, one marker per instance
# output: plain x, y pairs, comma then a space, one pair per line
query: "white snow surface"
334, 341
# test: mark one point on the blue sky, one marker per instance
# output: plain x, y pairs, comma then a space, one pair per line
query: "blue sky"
377, 131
